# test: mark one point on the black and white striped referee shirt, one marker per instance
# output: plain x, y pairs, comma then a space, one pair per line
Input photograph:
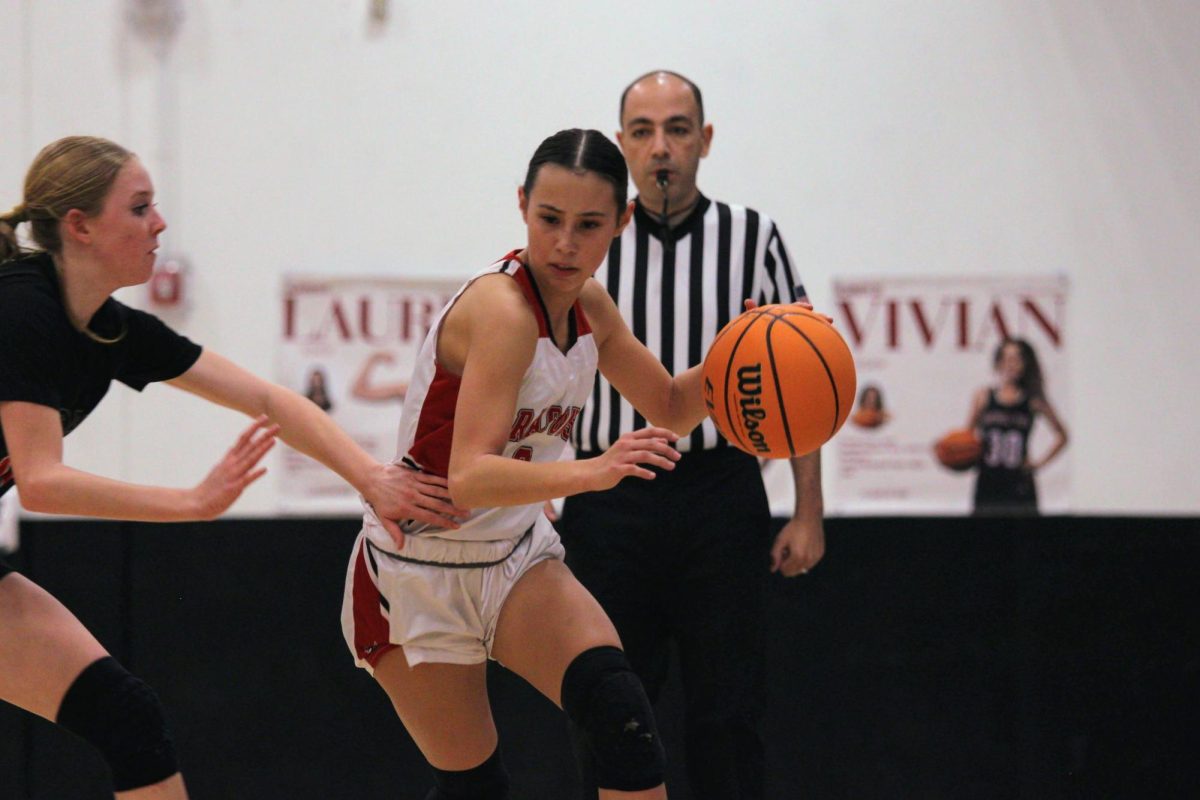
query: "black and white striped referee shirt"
676, 289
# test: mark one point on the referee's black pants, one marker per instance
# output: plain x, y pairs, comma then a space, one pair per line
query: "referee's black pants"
685, 558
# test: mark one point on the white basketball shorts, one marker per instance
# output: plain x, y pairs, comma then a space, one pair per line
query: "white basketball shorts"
444, 611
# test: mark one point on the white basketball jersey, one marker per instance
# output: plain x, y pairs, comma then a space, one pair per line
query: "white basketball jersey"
552, 393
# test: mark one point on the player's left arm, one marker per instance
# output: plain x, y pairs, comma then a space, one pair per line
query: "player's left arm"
670, 402
1043, 406
392, 490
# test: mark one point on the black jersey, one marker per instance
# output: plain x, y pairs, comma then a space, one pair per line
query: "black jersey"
1004, 485
44, 359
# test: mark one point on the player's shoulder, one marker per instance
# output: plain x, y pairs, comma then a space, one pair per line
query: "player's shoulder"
599, 309
29, 293
595, 300
30, 276
496, 300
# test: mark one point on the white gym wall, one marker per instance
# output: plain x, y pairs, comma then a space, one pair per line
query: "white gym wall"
885, 137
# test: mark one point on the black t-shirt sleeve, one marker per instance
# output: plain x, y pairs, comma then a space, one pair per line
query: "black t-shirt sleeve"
154, 351
30, 344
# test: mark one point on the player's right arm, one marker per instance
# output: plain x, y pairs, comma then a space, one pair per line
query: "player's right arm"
978, 403
492, 367
1043, 406
675, 402
33, 433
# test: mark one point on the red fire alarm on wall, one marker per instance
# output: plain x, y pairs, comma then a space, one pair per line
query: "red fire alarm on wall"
168, 283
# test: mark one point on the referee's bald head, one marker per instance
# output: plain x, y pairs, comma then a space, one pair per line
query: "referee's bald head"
660, 74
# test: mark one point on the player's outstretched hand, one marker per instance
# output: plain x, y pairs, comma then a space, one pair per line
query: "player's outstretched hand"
631, 454
397, 492
237, 470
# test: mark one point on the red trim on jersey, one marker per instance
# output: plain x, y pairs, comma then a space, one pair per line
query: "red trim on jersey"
370, 626
525, 280
435, 427
582, 326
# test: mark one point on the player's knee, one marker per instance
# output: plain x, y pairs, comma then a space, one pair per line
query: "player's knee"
602, 695
121, 716
488, 781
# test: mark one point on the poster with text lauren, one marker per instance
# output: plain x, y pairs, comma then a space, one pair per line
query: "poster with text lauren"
349, 345
963, 402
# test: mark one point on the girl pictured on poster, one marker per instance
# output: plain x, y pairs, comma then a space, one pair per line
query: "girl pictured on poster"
870, 412
1003, 415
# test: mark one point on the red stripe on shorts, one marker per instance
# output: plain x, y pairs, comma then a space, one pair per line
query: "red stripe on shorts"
370, 626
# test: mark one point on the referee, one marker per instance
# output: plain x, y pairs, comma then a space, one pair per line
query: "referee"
684, 558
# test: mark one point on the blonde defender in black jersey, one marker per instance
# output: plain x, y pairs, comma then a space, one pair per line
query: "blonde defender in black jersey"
89, 207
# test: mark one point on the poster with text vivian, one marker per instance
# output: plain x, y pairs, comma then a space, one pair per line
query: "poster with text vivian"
349, 345
963, 400
963, 386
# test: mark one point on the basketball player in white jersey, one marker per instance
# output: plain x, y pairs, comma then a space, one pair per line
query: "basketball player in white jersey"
498, 385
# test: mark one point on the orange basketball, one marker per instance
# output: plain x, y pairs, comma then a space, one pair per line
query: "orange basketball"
958, 450
779, 381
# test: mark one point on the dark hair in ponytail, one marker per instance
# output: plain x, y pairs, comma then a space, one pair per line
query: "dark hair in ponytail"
583, 150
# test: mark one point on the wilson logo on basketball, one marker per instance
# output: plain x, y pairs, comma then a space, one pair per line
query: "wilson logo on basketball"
778, 381
750, 402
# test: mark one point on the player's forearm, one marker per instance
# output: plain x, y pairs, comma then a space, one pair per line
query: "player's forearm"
308, 429
1052, 453
492, 480
684, 407
63, 490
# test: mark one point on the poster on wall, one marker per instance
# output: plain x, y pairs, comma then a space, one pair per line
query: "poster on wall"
349, 345
963, 396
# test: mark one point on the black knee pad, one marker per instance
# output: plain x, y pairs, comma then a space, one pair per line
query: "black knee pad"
602, 696
122, 717
488, 781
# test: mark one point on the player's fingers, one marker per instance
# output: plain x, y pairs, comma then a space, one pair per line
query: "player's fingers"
665, 447
259, 423
433, 518
260, 446
640, 472
657, 444
248, 432
250, 478
435, 481
441, 507
251, 455
655, 432
656, 459
438, 498
248, 447
394, 531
